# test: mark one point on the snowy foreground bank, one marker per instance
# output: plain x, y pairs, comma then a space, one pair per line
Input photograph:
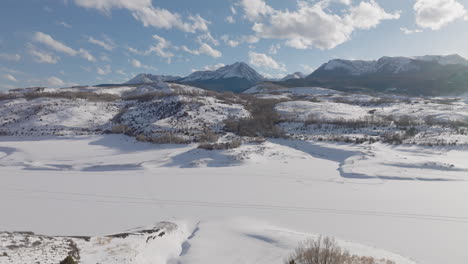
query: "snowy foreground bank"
253, 204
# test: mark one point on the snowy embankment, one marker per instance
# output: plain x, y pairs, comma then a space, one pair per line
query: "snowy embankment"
240, 205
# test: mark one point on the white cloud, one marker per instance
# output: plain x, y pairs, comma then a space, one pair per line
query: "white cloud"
255, 9
135, 51
104, 70
106, 43
435, 14
211, 67
9, 77
230, 42
149, 15
41, 56
207, 37
240, 40
368, 15
104, 57
274, 48
408, 31
137, 64
161, 48
233, 10
86, 55
308, 69
53, 82
54, 44
208, 50
61, 47
121, 72
230, 19
204, 49
272, 76
64, 24
265, 61
313, 24
10, 57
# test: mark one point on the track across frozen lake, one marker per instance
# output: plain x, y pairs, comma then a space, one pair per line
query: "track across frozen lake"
408, 200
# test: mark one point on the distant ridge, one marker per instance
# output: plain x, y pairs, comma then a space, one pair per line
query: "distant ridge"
424, 75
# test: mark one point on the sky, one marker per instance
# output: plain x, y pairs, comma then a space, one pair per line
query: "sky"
60, 43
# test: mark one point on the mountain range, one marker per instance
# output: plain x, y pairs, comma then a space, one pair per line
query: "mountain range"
423, 75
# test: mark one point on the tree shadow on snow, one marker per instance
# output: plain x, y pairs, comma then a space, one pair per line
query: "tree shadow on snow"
199, 157
126, 144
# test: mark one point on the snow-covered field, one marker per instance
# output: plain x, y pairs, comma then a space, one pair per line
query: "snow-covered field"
247, 205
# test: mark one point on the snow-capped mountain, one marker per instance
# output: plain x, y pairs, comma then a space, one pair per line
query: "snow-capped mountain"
444, 60
236, 70
392, 65
425, 75
145, 78
296, 75
236, 77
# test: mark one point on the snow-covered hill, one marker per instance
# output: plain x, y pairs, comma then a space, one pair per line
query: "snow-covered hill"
149, 78
296, 75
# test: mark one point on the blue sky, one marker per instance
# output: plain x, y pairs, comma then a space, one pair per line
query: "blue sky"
59, 43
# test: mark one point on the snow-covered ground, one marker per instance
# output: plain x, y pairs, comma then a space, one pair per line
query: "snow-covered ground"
247, 205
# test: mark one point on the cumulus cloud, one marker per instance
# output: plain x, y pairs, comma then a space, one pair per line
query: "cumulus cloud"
9, 77
161, 48
104, 70
408, 31
313, 24
204, 49
41, 56
435, 14
137, 64
255, 9
10, 57
265, 61
230, 42
149, 15
107, 43
58, 46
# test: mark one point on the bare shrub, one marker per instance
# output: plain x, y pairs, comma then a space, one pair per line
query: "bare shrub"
147, 96
262, 122
365, 121
219, 146
73, 95
208, 135
326, 251
9, 96
120, 129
